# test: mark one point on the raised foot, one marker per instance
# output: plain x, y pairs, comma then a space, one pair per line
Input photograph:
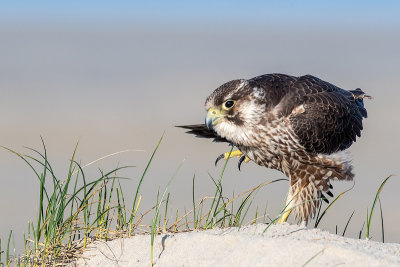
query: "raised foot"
236, 153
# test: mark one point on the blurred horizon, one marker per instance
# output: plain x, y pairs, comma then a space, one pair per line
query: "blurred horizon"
117, 75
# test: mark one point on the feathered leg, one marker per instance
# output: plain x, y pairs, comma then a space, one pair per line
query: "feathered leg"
308, 182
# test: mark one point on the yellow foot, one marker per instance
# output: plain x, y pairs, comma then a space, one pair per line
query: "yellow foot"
284, 217
287, 210
236, 153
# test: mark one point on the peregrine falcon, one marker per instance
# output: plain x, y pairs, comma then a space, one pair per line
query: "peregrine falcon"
300, 126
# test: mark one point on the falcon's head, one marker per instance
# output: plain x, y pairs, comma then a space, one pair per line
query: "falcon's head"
234, 109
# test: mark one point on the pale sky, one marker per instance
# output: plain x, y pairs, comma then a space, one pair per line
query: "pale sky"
117, 76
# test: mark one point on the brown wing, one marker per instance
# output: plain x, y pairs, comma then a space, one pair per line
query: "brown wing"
332, 118
201, 130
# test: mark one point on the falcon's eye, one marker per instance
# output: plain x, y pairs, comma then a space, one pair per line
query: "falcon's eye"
228, 104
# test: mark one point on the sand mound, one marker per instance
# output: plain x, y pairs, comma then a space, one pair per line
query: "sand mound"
280, 245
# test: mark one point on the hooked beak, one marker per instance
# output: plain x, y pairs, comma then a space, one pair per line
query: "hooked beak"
213, 115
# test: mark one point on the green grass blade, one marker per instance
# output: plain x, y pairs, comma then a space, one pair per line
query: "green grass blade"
40, 211
319, 209
360, 233
93, 184
166, 212
318, 219
123, 203
373, 205
153, 231
383, 230
23, 157
265, 213
218, 190
157, 212
240, 209
313, 257
8, 249
347, 224
141, 179
245, 213
194, 203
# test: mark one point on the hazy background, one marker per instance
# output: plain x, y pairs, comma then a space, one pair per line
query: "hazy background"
116, 75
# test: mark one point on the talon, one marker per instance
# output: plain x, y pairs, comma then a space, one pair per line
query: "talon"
323, 197
225, 156
241, 159
219, 158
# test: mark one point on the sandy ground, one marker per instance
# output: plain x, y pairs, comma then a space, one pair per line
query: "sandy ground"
280, 245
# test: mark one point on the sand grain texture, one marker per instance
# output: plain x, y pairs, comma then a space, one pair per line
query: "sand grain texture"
280, 245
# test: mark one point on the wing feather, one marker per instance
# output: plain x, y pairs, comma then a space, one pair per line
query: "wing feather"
332, 118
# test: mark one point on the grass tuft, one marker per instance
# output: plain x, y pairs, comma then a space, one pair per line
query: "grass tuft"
65, 209
75, 210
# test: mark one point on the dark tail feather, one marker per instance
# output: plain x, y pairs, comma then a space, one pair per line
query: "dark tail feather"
201, 130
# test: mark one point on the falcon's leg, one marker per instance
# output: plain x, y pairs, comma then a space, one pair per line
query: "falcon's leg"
236, 153
287, 210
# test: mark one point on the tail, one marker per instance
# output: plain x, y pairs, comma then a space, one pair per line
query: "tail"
310, 183
359, 94
358, 97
